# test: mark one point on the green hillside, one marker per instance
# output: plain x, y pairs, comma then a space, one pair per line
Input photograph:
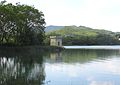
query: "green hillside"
81, 30
73, 35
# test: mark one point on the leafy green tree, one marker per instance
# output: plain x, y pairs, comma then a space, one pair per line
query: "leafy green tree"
6, 23
21, 24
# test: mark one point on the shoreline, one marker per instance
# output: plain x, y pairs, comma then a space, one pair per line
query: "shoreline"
29, 48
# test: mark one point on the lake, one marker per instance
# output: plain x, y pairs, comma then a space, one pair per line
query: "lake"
69, 67
93, 47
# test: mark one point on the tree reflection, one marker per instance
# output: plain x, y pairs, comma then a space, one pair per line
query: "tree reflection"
22, 70
81, 56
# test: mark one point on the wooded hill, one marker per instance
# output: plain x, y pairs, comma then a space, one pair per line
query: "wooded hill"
73, 35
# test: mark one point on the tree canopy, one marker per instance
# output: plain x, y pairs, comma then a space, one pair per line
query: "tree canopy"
21, 24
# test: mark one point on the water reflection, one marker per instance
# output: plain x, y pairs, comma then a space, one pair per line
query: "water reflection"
21, 68
81, 56
84, 67
69, 67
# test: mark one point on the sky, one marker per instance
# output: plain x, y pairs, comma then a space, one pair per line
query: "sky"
97, 14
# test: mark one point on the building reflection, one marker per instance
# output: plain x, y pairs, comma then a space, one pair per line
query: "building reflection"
56, 57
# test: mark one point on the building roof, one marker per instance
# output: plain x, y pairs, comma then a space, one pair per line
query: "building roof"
55, 37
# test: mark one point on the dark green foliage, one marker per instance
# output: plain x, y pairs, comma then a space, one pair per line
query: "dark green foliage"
21, 25
73, 35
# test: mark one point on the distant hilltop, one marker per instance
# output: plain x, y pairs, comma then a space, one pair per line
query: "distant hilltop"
53, 27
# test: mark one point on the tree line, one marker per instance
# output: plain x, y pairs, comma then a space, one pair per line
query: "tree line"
73, 35
21, 25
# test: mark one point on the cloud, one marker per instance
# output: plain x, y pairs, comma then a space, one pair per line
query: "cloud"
102, 14
71, 70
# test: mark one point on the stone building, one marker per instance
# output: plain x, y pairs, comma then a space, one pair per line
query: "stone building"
56, 41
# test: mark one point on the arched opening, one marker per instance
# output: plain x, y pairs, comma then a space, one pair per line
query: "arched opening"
58, 43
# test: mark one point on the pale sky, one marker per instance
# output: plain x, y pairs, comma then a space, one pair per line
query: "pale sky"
97, 14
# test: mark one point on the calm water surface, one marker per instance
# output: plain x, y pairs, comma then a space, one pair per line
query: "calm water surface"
69, 67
